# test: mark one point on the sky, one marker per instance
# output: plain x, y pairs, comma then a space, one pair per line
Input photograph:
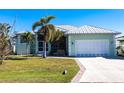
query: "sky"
25, 18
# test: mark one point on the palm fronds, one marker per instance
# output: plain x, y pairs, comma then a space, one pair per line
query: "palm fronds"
36, 24
5, 44
49, 18
28, 37
49, 31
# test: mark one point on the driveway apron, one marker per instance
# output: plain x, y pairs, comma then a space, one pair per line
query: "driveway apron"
102, 70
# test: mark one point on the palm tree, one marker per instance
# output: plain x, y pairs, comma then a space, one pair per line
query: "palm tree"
5, 44
5, 29
48, 30
28, 38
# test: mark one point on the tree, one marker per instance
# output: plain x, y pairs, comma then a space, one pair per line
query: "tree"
48, 30
5, 44
28, 39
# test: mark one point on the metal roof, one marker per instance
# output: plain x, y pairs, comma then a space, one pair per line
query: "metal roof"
120, 38
21, 32
86, 29
66, 28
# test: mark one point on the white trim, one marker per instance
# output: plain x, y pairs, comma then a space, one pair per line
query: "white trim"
75, 48
69, 45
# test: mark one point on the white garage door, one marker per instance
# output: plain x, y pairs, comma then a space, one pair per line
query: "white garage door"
91, 47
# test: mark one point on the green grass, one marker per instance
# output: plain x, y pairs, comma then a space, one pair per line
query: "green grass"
37, 70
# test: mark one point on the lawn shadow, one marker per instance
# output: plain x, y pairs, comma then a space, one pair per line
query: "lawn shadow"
16, 58
29, 56
116, 57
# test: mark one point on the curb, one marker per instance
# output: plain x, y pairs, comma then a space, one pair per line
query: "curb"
79, 74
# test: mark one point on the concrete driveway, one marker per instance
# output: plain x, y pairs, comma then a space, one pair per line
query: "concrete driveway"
102, 70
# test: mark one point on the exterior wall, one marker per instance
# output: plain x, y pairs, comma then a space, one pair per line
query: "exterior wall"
113, 45
66, 45
72, 38
36, 43
21, 47
69, 46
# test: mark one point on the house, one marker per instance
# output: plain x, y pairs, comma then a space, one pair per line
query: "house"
120, 45
120, 41
78, 41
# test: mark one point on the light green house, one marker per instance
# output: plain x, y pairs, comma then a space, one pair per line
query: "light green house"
78, 41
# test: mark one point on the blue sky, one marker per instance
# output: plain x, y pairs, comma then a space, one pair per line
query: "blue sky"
111, 19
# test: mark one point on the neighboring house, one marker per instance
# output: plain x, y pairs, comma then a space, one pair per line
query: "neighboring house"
78, 41
120, 45
120, 41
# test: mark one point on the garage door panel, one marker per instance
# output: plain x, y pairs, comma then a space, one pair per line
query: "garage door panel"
92, 47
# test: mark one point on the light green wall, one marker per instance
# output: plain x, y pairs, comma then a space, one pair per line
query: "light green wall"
72, 38
21, 47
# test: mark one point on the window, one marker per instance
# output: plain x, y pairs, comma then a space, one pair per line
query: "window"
47, 45
22, 39
46, 48
40, 38
40, 46
40, 49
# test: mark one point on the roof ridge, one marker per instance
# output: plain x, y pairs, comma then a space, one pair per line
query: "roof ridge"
120, 36
66, 25
86, 29
98, 27
102, 28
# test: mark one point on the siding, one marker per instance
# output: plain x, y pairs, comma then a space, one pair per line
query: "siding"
21, 47
72, 38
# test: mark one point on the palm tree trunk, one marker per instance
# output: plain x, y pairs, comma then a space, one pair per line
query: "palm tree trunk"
44, 49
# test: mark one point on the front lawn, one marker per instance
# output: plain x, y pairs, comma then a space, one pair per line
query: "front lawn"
36, 69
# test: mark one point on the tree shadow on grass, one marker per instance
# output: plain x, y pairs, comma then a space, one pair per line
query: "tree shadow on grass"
30, 56
16, 58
